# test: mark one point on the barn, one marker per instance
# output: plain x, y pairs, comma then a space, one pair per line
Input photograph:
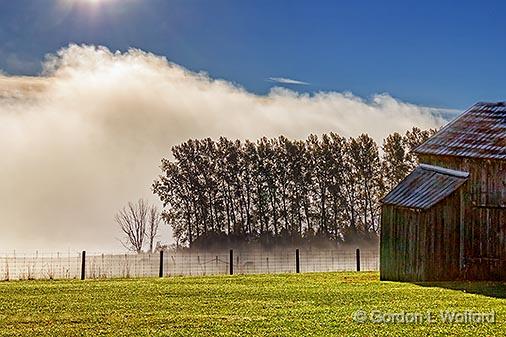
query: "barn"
447, 219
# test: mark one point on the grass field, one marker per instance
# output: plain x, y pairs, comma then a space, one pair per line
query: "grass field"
260, 305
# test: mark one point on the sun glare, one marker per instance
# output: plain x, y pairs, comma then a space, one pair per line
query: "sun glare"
84, 1
71, 3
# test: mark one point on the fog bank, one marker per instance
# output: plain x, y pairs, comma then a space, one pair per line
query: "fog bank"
86, 136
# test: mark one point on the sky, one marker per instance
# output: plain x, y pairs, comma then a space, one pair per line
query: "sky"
434, 53
93, 93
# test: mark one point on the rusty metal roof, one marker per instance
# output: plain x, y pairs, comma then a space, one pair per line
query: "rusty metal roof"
480, 132
425, 186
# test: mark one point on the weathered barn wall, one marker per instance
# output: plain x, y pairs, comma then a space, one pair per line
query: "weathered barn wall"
421, 245
487, 181
399, 259
484, 215
475, 143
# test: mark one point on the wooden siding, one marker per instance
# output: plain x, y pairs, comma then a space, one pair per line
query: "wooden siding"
487, 178
484, 215
421, 245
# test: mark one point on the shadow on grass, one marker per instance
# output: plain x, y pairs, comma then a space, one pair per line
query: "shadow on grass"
490, 289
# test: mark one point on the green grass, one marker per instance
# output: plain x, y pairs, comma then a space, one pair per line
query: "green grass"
261, 305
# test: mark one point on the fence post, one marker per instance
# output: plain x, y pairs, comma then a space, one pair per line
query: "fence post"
358, 259
231, 262
160, 273
297, 261
83, 265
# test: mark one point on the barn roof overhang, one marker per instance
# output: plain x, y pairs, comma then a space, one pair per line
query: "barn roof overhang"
426, 186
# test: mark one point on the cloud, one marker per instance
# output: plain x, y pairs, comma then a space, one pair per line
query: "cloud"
284, 80
81, 140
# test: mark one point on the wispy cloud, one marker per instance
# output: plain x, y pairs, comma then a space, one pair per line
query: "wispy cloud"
284, 80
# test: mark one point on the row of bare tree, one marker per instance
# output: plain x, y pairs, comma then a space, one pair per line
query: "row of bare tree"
281, 189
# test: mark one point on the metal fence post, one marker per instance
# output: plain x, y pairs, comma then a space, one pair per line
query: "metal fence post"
297, 261
83, 265
358, 259
231, 262
160, 272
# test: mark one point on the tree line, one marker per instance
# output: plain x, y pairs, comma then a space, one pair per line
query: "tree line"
279, 190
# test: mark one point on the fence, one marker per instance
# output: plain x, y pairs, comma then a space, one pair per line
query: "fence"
92, 265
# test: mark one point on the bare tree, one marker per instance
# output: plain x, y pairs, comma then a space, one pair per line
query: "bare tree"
133, 220
154, 219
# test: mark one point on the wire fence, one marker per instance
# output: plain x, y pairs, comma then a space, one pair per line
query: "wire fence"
95, 265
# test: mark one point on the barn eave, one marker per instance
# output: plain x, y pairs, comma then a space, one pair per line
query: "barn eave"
426, 186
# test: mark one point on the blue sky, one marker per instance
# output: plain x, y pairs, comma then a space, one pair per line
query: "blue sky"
435, 53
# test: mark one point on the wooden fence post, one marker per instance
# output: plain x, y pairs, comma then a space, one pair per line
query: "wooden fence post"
231, 262
160, 272
358, 259
297, 261
83, 265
